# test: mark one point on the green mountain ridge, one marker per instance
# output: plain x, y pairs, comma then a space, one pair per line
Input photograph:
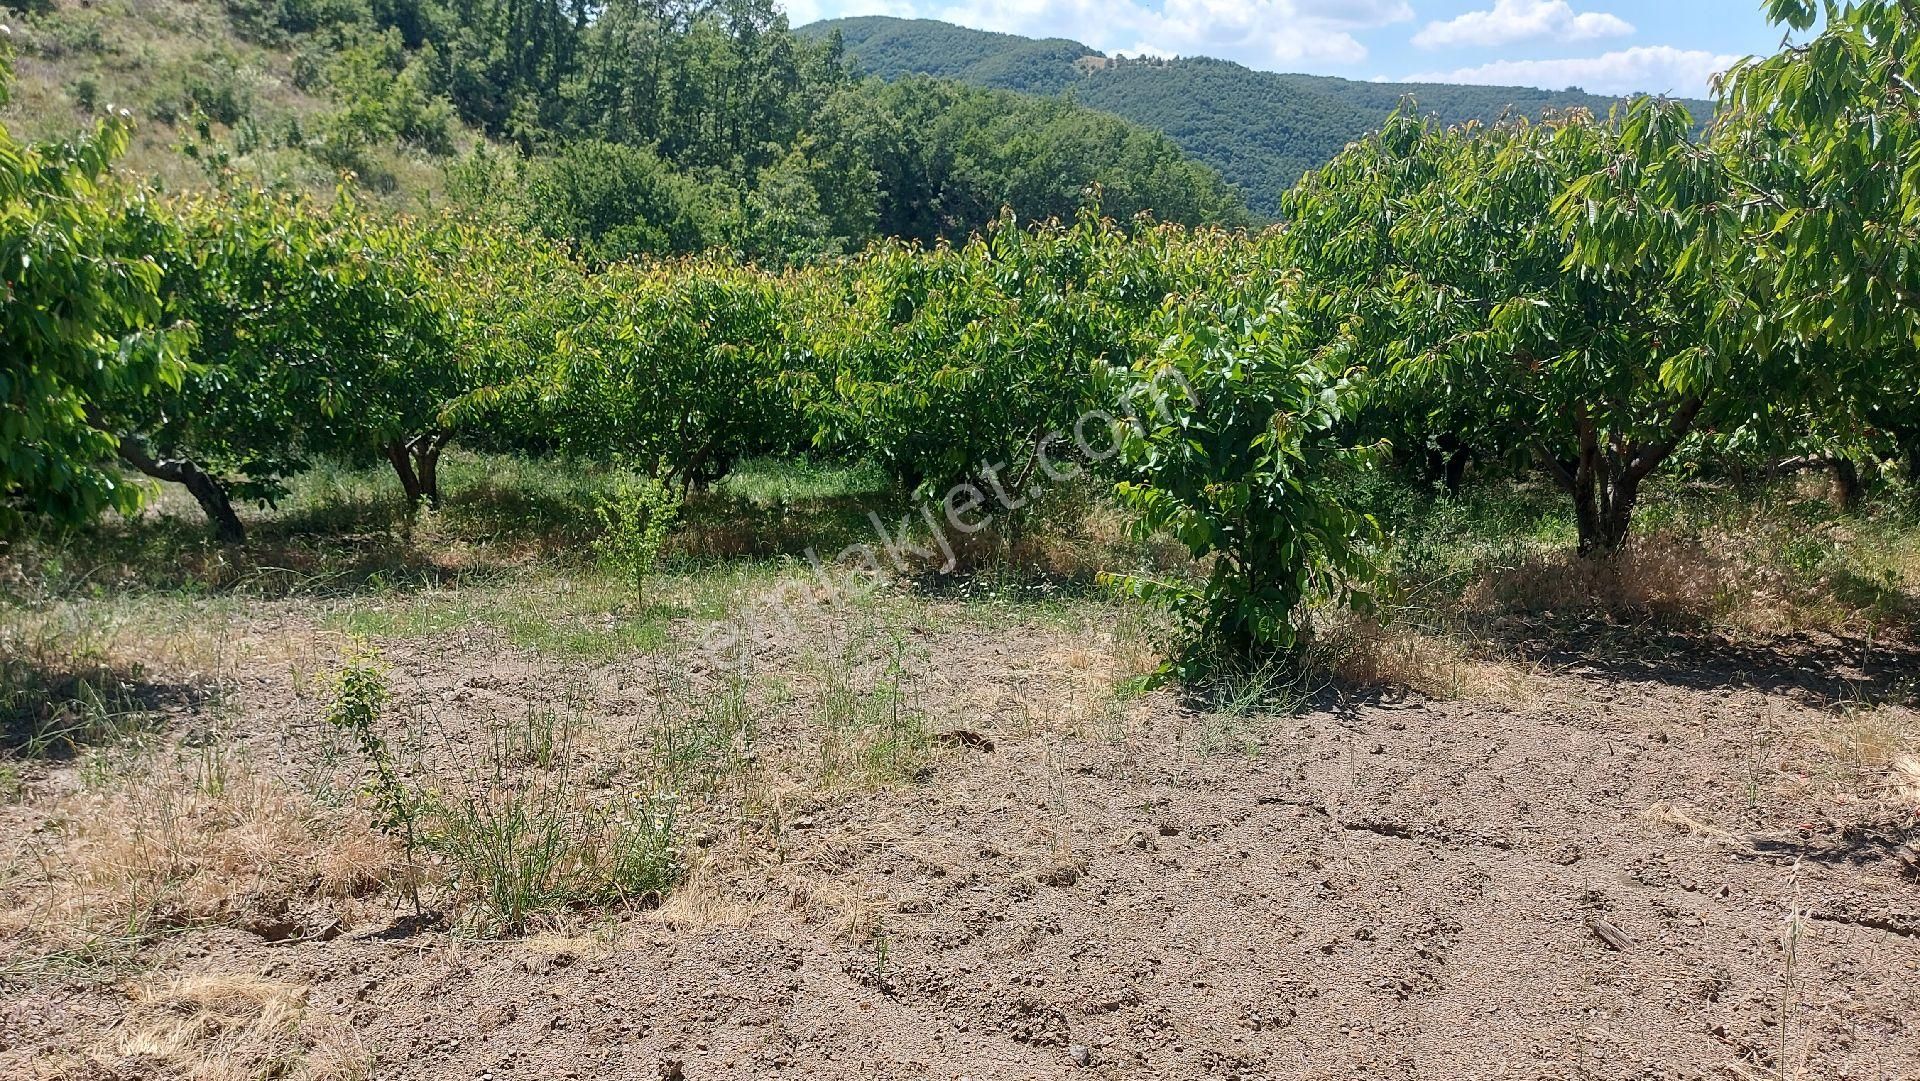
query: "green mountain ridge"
1260, 129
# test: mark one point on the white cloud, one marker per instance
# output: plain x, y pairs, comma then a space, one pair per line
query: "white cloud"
1362, 14
1511, 21
802, 12
1651, 69
1261, 33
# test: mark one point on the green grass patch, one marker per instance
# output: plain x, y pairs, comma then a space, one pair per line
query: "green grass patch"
771, 482
576, 619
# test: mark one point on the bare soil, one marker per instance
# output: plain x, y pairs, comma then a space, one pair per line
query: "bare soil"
1659, 864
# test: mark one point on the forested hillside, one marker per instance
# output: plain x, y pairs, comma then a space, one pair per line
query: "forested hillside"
889, 48
640, 126
1261, 129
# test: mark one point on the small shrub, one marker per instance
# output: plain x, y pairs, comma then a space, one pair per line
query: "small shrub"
57, 34
86, 93
636, 519
213, 85
521, 835
1234, 452
359, 702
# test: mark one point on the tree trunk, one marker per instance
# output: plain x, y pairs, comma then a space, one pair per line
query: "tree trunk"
1447, 462
426, 465
1739, 474
206, 489
1846, 483
1604, 478
1457, 469
1604, 495
1843, 476
416, 461
1605, 491
1909, 450
400, 455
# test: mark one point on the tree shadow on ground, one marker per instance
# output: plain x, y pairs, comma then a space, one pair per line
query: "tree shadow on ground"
1865, 842
345, 547
716, 525
1824, 670
56, 712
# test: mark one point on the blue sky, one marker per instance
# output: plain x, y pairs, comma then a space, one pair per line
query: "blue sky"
1605, 46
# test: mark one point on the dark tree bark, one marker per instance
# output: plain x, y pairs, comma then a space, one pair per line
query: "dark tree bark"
206, 489
399, 456
416, 461
1447, 461
426, 465
1847, 490
1604, 477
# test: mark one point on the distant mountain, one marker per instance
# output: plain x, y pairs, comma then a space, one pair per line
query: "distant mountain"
1260, 129
889, 47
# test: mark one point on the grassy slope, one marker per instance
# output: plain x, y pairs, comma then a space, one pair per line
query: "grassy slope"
1260, 129
161, 60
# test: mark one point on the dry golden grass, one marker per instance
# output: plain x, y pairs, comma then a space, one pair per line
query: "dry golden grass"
565, 945
1864, 759
185, 642
698, 904
1362, 653
1681, 820
1757, 577
1871, 741
169, 849
1906, 781
1667, 580
233, 1026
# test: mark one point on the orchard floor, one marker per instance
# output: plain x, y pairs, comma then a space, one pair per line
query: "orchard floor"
1623, 857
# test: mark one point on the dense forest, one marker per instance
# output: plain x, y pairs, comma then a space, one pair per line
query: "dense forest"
1261, 129
889, 47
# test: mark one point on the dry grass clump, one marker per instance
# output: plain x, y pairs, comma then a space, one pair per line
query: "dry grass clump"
1871, 741
1681, 820
1085, 536
234, 1026
1666, 579
1880, 749
181, 848
1363, 653
1906, 781
1757, 578
1858, 761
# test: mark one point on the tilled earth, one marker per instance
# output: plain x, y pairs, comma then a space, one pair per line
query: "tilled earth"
1608, 876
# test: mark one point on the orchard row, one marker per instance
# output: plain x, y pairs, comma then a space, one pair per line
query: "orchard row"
1597, 299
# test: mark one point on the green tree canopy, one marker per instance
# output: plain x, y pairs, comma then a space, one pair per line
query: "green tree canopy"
1438, 250
83, 322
